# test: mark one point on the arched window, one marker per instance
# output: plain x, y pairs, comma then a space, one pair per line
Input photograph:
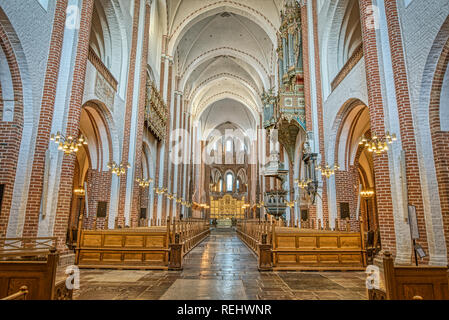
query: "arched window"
220, 185
229, 146
229, 182
237, 186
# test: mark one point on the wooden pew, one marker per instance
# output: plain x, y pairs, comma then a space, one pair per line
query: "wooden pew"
411, 282
292, 248
295, 249
30, 263
157, 247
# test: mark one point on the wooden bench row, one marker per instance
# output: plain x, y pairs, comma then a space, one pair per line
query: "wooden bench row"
288, 248
159, 247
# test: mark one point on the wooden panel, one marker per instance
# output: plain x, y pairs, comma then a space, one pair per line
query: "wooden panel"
351, 258
307, 242
426, 291
112, 257
155, 242
155, 257
113, 241
90, 256
286, 242
308, 258
91, 240
328, 242
286, 258
329, 258
134, 241
352, 242
136, 257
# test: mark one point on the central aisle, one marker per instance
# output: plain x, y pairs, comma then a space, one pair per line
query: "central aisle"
220, 268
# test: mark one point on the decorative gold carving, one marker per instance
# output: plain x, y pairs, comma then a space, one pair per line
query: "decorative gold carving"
156, 112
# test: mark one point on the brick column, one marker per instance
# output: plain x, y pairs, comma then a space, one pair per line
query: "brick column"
128, 112
45, 120
414, 194
135, 205
376, 109
73, 123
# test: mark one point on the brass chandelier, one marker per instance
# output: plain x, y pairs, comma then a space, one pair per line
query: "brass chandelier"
303, 184
68, 145
367, 193
327, 171
144, 183
118, 169
378, 145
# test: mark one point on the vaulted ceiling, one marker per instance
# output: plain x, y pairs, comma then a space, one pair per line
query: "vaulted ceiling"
225, 57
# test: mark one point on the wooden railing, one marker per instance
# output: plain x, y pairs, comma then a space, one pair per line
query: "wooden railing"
26, 246
292, 248
157, 247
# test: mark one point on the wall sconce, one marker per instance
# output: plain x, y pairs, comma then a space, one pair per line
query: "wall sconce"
260, 204
178, 200
118, 169
367, 193
79, 192
327, 171
144, 183
378, 145
68, 145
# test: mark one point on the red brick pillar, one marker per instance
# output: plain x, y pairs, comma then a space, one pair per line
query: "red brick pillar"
414, 194
136, 205
376, 109
73, 123
45, 121
128, 113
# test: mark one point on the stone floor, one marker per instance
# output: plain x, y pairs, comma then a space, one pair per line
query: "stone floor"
220, 268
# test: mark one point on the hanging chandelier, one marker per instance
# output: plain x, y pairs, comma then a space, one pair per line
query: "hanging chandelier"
144, 183
290, 204
303, 184
68, 145
378, 145
367, 193
118, 169
160, 191
327, 171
